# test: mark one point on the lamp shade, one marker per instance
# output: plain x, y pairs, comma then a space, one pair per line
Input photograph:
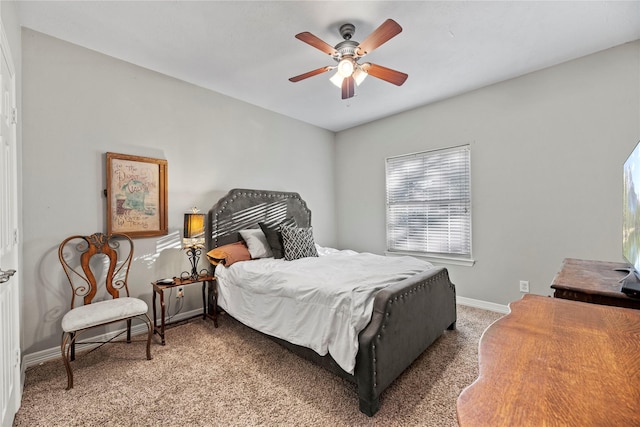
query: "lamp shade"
193, 225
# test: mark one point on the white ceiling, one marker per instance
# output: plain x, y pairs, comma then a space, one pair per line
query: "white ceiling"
247, 49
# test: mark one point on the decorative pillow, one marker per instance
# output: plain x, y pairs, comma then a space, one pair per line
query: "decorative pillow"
274, 236
298, 243
257, 243
229, 254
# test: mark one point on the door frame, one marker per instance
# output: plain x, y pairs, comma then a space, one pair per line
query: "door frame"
10, 247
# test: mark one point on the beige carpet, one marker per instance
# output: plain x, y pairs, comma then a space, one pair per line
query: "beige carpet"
234, 376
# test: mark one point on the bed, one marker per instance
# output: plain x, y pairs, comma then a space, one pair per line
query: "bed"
405, 316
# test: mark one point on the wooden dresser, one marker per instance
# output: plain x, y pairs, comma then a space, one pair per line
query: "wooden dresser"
554, 362
596, 282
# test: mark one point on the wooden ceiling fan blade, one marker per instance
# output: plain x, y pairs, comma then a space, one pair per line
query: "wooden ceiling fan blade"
380, 35
319, 44
348, 87
384, 73
310, 74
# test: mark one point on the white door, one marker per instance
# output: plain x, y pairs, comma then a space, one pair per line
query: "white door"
10, 388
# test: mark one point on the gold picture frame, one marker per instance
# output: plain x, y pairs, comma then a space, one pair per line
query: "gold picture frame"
136, 195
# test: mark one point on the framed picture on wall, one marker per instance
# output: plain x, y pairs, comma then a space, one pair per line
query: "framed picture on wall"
136, 195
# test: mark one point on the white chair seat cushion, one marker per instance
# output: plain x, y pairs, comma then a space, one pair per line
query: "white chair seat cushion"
102, 312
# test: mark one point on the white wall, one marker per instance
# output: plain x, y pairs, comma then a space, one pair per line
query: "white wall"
79, 104
546, 154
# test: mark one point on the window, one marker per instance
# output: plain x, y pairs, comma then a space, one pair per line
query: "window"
429, 203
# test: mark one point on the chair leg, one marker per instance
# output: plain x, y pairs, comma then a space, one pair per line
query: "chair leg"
128, 330
149, 336
65, 349
73, 346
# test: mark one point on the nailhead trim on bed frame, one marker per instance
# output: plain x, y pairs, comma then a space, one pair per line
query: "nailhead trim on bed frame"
419, 287
277, 207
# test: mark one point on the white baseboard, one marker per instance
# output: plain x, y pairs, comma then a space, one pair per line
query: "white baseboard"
33, 359
485, 305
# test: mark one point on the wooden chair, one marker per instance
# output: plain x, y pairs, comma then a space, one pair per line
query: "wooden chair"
104, 277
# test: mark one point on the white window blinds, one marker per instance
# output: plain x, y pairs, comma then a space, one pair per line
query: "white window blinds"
429, 203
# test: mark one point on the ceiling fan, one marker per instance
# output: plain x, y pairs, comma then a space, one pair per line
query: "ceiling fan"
347, 53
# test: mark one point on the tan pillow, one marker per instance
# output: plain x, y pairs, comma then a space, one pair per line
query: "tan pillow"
228, 254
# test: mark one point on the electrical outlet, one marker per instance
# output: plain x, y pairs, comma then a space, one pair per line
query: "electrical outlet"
180, 292
524, 286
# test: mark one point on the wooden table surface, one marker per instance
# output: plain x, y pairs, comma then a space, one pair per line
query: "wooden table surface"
555, 362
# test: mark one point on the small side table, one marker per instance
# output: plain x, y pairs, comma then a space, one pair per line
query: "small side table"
596, 282
158, 289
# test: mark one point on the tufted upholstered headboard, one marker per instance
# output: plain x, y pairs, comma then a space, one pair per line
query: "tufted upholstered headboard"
243, 208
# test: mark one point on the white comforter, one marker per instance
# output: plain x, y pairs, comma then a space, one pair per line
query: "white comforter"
321, 303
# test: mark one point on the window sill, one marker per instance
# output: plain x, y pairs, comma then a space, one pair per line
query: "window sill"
467, 262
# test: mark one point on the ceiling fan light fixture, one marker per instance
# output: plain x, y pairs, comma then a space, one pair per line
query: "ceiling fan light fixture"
346, 66
359, 75
336, 79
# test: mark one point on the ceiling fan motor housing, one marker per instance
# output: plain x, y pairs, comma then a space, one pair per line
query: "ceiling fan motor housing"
346, 48
347, 30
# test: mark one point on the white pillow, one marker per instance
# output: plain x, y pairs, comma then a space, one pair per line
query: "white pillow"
257, 243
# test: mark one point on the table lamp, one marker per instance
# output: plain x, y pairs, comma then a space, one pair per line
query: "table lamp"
193, 241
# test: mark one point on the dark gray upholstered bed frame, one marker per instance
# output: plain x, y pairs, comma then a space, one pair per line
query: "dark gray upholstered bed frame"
407, 316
